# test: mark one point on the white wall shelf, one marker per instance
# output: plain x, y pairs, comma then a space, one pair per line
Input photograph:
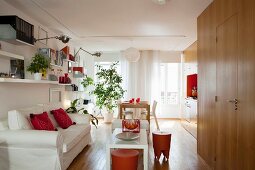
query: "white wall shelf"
62, 84
73, 62
8, 55
11, 80
55, 65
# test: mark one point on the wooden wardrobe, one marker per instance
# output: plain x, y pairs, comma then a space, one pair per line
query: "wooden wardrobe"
226, 84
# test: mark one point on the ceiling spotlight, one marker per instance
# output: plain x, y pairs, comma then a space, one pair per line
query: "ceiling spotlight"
65, 39
160, 2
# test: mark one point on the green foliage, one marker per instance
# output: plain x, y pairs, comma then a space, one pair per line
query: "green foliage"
88, 81
73, 109
108, 90
38, 63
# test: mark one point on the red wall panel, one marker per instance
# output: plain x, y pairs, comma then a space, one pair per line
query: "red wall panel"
191, 82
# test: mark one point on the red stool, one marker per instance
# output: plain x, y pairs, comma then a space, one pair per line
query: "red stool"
124, 159
161, 144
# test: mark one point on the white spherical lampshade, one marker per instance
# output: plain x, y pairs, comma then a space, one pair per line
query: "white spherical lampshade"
131, 54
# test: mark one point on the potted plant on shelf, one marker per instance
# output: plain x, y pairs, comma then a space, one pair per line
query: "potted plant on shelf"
108, 90
38, 65
73, 109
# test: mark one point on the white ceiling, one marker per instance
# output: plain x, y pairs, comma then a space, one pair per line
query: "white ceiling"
114, 25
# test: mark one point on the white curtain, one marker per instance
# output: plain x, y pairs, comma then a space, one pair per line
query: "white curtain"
142, 78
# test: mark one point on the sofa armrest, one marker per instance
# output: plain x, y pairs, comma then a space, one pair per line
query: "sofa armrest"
80, 118
30, 139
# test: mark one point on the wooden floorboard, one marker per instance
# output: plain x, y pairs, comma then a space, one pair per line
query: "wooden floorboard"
183, 154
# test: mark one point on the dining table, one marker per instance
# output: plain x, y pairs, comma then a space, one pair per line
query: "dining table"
141, 105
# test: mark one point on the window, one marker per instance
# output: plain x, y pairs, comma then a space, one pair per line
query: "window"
169, 76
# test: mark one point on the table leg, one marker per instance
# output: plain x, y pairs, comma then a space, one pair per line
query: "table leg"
120, 111
108, 158
148, 113
145, 158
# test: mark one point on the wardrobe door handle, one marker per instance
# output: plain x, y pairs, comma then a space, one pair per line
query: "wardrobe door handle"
235, 101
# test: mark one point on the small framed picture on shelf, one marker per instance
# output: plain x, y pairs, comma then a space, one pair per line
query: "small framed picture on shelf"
60, 58
53, 57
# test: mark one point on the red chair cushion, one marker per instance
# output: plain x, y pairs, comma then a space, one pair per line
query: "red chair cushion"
41, 121
62, 118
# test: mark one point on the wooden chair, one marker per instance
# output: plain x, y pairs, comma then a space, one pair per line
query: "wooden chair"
152, 113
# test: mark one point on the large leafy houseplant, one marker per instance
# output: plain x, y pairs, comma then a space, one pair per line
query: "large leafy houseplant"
108, 88
73, 109
38, 64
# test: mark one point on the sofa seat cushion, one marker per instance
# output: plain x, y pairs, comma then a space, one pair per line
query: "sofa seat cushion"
144, 124
73, 135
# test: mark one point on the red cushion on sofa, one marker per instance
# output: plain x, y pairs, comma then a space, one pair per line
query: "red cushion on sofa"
62, 118
41, 121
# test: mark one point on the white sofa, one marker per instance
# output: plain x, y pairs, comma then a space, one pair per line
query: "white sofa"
22, 148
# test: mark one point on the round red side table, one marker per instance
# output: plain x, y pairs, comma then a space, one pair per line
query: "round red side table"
161, 144
124, 159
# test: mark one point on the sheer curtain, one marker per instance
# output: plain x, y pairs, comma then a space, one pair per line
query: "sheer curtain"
142, 78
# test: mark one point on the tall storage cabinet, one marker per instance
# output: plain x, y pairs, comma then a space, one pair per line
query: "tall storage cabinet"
226, 79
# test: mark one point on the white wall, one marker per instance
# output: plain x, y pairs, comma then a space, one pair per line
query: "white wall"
23, 95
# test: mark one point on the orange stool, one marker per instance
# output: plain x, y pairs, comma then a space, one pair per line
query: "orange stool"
161, 144
124, 159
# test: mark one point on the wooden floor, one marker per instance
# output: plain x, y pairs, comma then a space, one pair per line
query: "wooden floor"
183, 154
190, 127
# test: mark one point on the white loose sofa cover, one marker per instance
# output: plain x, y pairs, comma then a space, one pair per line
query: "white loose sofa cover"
23, 148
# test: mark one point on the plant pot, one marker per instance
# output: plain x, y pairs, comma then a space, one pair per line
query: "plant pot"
108, 117
85, 101
38, 76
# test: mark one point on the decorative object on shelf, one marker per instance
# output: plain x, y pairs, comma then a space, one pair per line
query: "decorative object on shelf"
17, 69
85, 101
53, 77
74, 87
78, 72
39, 63
108, 89
54, 56
131, 125
16, 30
64, 38
73, 109
97, 54
66, 52
5, 75
131, 54
64, 79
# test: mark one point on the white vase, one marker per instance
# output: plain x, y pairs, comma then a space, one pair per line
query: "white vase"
38, 76
108, 117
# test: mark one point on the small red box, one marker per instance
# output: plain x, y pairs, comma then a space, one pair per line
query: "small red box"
80, 69
131, 125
